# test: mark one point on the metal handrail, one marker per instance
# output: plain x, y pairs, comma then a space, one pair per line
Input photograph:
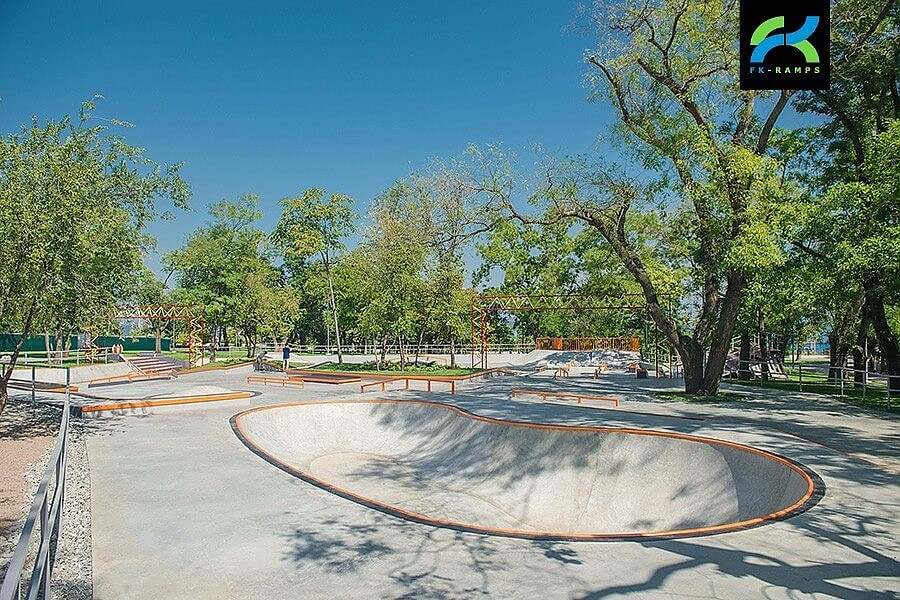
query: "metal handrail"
47, 512
861, 377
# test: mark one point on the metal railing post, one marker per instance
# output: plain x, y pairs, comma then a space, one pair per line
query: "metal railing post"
45, 513
865, 376
45, 538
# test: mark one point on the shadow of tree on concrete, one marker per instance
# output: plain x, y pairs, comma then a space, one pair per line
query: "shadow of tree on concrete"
413, 560
23, 418
813, 576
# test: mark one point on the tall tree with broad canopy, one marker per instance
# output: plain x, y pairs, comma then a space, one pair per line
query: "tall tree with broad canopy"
74, 200
395, 250
314, 225
215, 264
848, 229
669, 69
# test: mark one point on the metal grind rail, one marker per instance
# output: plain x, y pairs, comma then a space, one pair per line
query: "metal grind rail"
46, 516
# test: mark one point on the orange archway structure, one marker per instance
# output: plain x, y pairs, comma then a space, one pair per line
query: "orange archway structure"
194, 318
482, 304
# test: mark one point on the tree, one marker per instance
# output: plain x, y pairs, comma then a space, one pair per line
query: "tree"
846, 228
669, 70
222, 266
312, 225
853, 230
555, 258
150, 290
395, 251
73, 203
265, 307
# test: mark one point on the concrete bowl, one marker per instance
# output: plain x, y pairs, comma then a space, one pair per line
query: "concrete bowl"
437, 464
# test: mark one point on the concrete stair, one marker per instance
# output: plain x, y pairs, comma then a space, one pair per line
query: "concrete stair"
155, 363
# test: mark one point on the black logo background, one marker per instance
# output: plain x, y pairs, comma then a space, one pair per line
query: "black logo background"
754, 12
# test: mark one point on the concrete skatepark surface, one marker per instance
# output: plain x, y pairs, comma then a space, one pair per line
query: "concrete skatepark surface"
440, 465
181, 509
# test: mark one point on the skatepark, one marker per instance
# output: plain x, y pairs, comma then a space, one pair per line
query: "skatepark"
205, 486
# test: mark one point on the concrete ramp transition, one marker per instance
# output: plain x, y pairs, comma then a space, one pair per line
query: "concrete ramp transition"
437, 464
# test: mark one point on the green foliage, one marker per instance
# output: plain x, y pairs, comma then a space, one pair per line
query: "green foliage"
556, 258
311, 226
395, 252
226, 268
73, 203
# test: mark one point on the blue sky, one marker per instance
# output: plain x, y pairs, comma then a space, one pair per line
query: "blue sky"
346, 96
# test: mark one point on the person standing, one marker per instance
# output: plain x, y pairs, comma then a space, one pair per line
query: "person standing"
285, 357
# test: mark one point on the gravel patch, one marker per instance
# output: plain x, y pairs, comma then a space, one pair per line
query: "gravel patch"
72, 570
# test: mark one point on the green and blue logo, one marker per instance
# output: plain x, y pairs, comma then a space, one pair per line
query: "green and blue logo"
764, 39
785, 45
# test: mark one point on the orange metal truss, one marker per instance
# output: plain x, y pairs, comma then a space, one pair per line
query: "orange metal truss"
194, 318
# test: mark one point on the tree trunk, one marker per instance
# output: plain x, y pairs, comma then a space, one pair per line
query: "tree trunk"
721, 336
887, 340
744, 372
763, 346
337, 330
859, 357
402, 353
60, 354
452, 352
158, 340
384, 341
839, 341
26, 331
250, 346
419, 341
692, 358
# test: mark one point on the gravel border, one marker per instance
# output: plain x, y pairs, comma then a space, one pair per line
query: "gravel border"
72, 569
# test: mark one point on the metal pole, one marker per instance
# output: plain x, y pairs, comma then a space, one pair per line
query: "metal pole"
45, 536
801, 377
32, 382
656, 347
472, 326
865, 375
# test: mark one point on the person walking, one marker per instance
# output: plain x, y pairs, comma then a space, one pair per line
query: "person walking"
286, 357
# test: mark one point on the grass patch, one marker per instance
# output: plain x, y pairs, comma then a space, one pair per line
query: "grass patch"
221, 355
683, 397
874, 398
371, 367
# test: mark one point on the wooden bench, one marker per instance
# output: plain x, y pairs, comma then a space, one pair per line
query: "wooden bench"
545, 394
282, 381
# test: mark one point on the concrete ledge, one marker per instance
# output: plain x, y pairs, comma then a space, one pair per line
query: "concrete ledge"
164, 402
